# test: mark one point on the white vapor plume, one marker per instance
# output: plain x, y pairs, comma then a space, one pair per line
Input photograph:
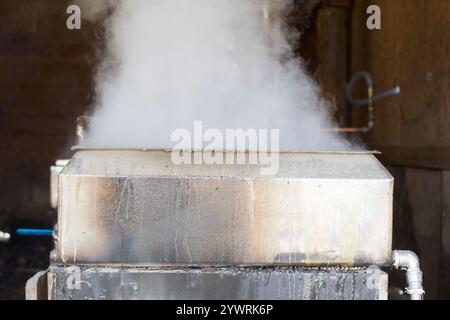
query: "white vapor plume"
95, 9
227, 63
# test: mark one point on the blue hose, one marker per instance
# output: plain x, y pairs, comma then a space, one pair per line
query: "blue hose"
35, 232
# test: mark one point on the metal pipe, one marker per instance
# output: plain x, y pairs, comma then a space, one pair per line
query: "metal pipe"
408, 261
370, 89
349, 130
4, 236
82, 126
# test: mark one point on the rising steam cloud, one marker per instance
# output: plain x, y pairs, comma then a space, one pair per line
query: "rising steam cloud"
172, 62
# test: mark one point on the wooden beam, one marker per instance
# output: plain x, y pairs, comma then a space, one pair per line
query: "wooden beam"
333, 43
429, 157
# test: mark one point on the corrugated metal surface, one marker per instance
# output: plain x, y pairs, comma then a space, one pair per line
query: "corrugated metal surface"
102, 283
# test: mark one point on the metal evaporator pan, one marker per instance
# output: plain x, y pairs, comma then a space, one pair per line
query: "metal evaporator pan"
132, 206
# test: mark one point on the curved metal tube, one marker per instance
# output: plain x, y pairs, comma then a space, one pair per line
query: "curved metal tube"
369, 82
408, 260
367, 101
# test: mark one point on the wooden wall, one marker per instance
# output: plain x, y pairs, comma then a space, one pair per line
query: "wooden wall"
412, 51
45, 83
413, 129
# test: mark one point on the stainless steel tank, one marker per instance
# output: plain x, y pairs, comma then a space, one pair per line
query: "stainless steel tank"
133, 206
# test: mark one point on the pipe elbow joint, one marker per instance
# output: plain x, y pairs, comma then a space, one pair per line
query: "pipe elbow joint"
409, 261
404, 259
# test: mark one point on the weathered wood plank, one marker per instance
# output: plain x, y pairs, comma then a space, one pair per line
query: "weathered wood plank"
38, 126
333, 35
23, 71
444, 269
432, 157
42, 100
